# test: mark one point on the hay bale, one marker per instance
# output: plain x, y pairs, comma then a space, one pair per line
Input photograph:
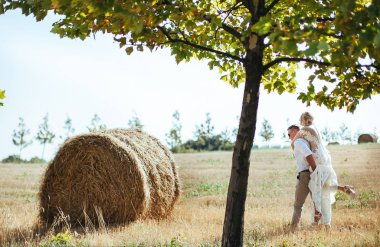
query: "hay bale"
365, 138
333, 143
116, 175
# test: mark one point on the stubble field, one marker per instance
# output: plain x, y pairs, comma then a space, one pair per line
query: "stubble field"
197, 219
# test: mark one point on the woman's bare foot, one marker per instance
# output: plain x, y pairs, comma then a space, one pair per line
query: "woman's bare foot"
350, 191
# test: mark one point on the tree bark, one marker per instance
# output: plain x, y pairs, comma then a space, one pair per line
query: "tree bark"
237, 191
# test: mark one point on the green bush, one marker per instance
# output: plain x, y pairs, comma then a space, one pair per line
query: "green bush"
13, 159
36, 160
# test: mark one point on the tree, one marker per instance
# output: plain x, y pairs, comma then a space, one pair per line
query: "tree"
255, 42
205, 129
284, 135
20, 134
204, 133
173, 138
326, 134
69, 130
226, 140
44, 135
2, 96
135, 123
96, 124
267, 131
344, 133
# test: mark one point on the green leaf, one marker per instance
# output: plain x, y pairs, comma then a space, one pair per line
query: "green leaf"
2, 94
129, 50
323, 46
377, 39
263, 26
290, 46
312, 50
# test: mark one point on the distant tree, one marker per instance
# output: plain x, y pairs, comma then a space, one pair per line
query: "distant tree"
69, 130
226, 142
285, 136
20, 136
356, 135
374, 131
204, 132
14, 159
2, 96
96, 124
335, 137
326, 134
266, 131
174, 138
135, 123
235, 130
44, 135
344, 134
206, 128
206, 140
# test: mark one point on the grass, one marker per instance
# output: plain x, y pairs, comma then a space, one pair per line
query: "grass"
197, 219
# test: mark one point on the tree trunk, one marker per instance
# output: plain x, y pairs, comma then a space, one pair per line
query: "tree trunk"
237, 191
43, 151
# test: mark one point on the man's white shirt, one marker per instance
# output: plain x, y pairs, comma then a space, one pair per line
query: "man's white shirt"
301, 151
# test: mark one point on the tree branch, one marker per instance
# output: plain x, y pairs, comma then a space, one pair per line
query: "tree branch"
294, 59
174, 40
312, 61
226, 28
270, 6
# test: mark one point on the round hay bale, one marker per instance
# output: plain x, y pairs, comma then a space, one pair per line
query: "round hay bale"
115, 176
333, 143
365, 138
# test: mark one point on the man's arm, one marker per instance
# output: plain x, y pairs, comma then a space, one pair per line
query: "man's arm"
310, 160
304, 148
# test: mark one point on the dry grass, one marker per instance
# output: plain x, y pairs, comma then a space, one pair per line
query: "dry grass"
197, 219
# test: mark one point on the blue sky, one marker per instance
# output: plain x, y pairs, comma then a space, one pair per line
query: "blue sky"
42, 73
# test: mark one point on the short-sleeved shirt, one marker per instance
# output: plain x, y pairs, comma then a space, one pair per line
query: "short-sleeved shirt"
301, 151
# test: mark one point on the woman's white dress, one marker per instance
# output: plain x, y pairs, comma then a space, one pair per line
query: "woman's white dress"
323, 180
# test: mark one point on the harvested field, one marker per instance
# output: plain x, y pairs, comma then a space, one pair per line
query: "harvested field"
197, 219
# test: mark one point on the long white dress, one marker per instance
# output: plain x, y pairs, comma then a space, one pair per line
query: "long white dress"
323, 181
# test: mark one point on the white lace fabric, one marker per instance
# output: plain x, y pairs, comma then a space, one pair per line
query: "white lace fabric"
323, 181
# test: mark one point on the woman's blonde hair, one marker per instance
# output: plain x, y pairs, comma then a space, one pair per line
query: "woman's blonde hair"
306, 119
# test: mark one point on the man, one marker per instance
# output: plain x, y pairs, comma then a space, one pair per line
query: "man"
304, 160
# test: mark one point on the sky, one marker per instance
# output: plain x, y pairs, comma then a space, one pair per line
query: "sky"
44, 74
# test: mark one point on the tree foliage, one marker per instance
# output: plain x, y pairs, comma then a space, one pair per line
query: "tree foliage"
69, 129
135, 123
2, 96
20, 136
338, 40
206, 140
44, 135
266, 131
96, 124
345, 134
174, 136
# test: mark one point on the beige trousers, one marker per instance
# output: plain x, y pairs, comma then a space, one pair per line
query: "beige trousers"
302, 190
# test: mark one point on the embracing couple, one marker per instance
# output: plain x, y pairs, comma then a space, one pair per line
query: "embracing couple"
315, 173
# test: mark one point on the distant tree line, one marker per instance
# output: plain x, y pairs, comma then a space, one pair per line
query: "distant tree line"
205, 138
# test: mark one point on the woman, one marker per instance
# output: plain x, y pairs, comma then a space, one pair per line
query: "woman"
323, 180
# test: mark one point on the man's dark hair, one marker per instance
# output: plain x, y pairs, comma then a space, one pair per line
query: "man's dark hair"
293, 126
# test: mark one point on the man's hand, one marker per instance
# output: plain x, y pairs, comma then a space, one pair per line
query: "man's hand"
310, 160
